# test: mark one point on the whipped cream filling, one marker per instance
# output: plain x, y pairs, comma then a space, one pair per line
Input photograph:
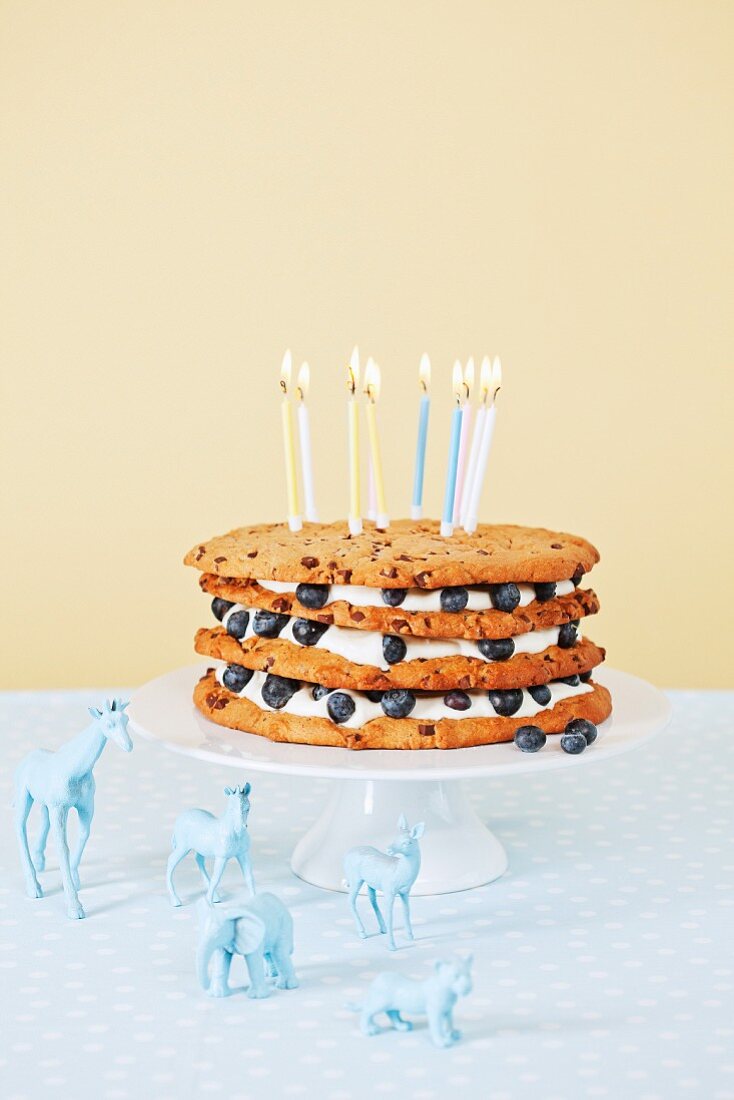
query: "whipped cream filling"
416, 599
364, 647
428, 708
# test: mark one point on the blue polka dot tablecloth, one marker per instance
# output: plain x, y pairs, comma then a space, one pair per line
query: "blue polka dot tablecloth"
603, 958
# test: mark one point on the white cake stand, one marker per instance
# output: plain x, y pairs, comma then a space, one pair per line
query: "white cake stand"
375, 786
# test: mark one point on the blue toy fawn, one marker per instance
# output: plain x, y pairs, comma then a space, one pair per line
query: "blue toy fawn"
218, 838
60, 781
393, 873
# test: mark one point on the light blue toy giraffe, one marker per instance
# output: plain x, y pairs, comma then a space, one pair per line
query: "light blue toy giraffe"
59, 781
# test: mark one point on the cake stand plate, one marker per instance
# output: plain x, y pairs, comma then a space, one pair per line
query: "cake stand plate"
376, 785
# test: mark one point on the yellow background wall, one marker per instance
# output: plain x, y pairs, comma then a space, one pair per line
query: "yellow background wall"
190, 187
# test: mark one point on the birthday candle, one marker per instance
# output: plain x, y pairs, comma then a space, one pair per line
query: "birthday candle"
485, 382
371, 492
464, 441
424, 376
304, 437
447, 525
294, 508
372, 392
473, 509
355, 505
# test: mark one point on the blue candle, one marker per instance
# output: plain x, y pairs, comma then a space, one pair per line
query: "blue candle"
447, 525
416, 510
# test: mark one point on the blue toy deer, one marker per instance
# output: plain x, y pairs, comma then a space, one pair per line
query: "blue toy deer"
59, 781
393, 873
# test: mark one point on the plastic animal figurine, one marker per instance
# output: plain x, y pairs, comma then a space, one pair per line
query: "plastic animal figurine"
59, 781
393, 873
434, 997
260, 929
221, 838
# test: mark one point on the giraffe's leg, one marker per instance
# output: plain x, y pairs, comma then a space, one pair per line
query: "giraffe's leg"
23, 803
58, 815
39, 852
86, 813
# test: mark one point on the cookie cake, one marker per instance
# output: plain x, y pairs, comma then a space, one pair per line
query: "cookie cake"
397, 638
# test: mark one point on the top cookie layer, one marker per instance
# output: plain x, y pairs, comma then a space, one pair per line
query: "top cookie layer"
409, 554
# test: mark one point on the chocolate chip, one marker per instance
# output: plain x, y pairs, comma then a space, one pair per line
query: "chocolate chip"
280, 604
426, 731
220, 704
422, 579
252, 553
309, 563
556, 546
391, 572
217, 560
200, 553
358, 616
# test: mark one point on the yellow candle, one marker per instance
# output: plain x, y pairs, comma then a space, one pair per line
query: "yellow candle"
372, 390
289, 447
355, 506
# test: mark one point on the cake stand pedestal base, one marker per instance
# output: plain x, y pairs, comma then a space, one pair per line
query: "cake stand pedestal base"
457, 850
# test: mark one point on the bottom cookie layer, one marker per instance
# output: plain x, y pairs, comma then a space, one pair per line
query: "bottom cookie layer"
236, 712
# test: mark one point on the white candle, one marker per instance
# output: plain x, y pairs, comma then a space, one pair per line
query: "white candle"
485, 382
289, 451
487, 432
304, 437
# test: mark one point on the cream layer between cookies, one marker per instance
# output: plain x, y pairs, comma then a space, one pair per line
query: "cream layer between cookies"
428, 708
364, 647
416, 599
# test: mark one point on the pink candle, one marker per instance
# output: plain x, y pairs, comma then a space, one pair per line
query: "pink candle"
464, 441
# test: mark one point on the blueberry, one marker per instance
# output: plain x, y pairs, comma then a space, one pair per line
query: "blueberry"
277, 690
236, 677
584, 677
573, 743
393, 649
496, 649
572, 681
530, 738
268, 624
506, 702
454, 599
220, 607
307, 632
577, 577
545, 591
457, 700
583, 726
340, 707
568, 634
393, 597
237, 624
398, 703
541, 694
374, 696
319, 691
312, 596
505, 597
